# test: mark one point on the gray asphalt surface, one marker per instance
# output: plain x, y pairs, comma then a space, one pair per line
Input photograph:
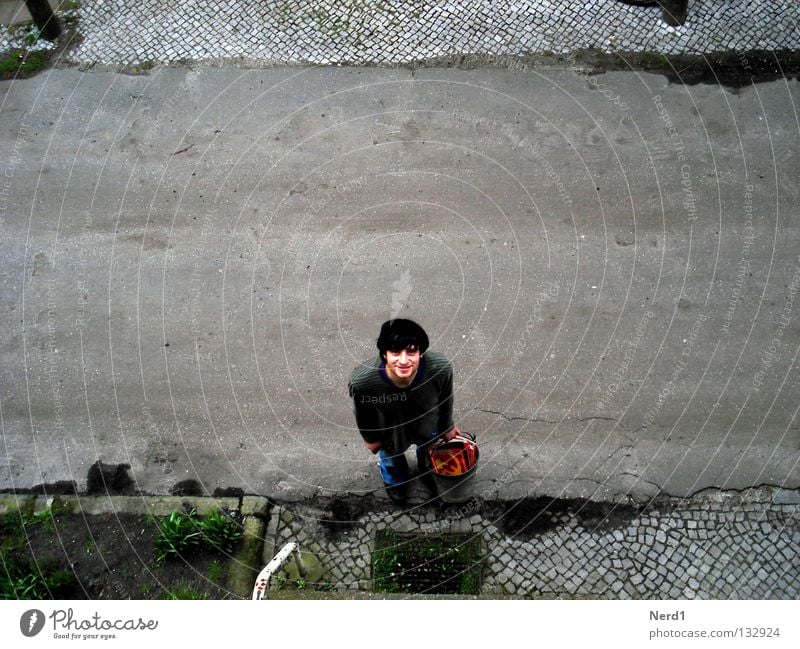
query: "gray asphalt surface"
194, 259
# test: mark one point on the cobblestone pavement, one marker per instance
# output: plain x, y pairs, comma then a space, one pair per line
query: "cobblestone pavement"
396, 32
718, 545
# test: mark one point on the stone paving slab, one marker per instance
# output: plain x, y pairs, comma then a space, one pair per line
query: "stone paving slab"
132, 32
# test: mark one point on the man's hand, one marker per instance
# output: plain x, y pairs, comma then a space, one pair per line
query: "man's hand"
374, 447
450, 434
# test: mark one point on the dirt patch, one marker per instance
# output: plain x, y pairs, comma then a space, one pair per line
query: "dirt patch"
109, 557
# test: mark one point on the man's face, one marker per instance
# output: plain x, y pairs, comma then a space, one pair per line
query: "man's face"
402, 365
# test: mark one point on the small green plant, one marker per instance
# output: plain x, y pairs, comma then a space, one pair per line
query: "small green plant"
300, 584
220, 531
214, 571
45, 518
181, 532
178, 533
31, 37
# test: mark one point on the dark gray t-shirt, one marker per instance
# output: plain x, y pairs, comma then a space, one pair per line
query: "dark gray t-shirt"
399, 417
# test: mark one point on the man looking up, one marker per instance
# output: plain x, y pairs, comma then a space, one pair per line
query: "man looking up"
403, 397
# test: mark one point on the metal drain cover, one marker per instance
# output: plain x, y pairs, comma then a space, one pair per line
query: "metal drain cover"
427, 563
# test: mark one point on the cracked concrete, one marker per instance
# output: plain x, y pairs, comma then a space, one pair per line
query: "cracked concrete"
547, 421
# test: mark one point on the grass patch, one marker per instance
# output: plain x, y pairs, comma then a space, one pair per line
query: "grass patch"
430, 564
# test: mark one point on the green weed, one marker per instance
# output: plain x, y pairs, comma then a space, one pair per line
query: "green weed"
214, 571
31, 37
21, 579
220, 531
180, 533
17, 522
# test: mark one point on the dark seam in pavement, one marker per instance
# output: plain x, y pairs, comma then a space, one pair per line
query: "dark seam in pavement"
546, 421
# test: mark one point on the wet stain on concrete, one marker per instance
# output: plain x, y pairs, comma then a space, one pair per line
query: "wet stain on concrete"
343, 514
190, 487
531, 517
58, 488
111, 479
41, 264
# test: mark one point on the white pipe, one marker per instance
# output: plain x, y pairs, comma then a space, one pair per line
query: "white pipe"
264, 578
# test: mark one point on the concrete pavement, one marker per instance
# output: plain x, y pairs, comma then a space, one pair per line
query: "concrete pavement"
195, 259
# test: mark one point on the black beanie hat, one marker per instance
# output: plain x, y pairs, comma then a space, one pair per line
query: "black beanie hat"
400, 333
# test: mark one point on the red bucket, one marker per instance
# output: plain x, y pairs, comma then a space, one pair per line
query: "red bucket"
454, 463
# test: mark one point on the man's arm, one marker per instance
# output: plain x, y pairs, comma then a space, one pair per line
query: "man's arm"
368, 420
446, 424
